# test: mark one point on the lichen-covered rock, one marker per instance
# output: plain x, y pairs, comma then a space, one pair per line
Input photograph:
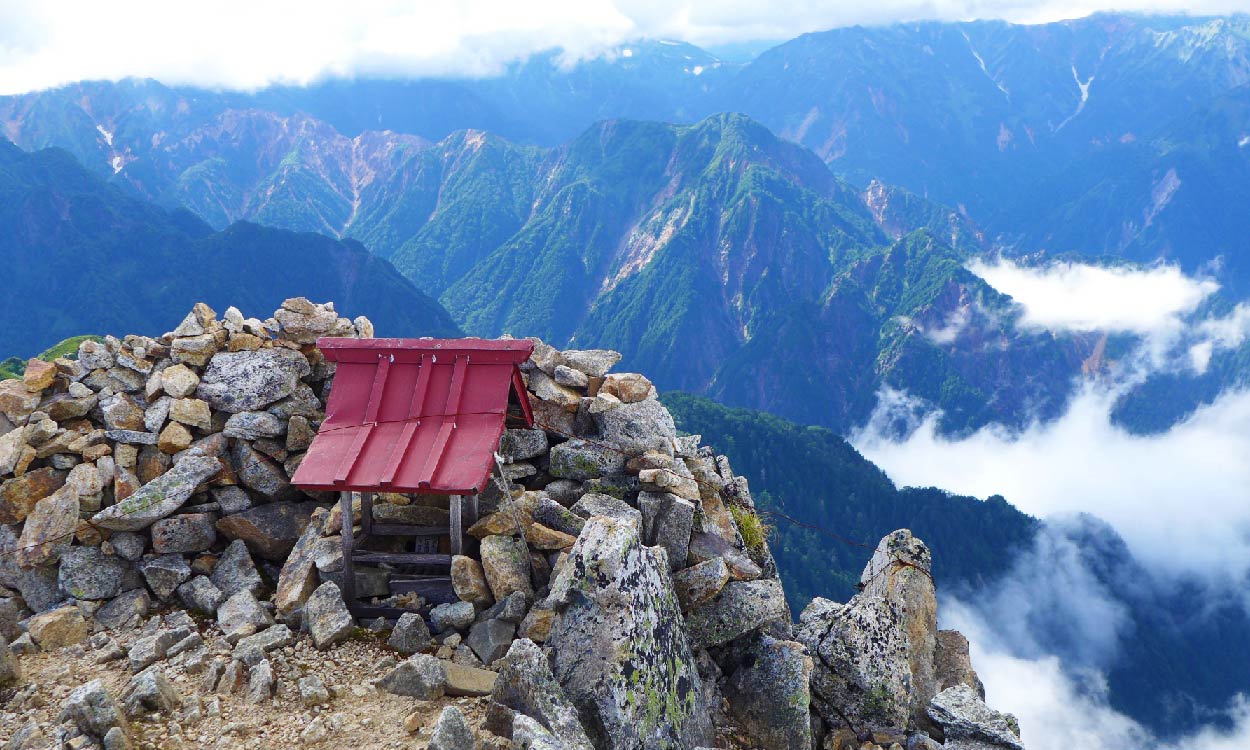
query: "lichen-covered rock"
667, 521
900, 570
469, 581
638, 427
740, 607
582, 460
88, 573
327, 617
235, 571
251, 380
969, 724
769, 692
57, 628
527, 687
161, 496
620, 652
269, 530
860, 655
18, 496
505, 562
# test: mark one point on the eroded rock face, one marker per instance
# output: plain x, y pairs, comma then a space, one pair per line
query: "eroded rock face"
621, 653
860, 661
769, 692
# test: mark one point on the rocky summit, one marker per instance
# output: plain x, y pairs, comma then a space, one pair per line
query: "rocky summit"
162, 583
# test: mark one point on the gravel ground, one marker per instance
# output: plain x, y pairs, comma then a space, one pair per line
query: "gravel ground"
358, 716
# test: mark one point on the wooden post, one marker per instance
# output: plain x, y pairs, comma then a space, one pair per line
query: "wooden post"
457, 525
349, 572
366, 514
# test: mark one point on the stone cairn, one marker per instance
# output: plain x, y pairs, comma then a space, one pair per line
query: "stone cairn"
611, 601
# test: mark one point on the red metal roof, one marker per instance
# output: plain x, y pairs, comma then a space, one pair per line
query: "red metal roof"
414, 415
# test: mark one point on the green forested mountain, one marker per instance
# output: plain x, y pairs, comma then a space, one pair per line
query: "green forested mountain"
815, 477
81, 256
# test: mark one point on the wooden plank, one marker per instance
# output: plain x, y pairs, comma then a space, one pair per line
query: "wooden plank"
402, 558
405, 529
349, 573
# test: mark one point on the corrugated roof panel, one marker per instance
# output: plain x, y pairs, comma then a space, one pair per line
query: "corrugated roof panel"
414, 415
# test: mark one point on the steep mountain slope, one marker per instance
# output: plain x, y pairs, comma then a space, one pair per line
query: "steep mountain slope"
82, 256
645, 237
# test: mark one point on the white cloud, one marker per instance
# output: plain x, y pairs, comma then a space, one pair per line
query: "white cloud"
1083, 298
240, 44
1178, 498
1061, 709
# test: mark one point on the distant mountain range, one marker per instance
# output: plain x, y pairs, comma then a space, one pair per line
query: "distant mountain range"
1115, 134
80, 256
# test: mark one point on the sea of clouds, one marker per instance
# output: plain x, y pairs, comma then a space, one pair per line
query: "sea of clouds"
1180, 499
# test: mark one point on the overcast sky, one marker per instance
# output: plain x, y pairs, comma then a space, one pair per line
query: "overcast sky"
247, 44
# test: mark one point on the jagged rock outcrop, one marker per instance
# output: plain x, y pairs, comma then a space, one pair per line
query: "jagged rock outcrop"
604, 536
969, 724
